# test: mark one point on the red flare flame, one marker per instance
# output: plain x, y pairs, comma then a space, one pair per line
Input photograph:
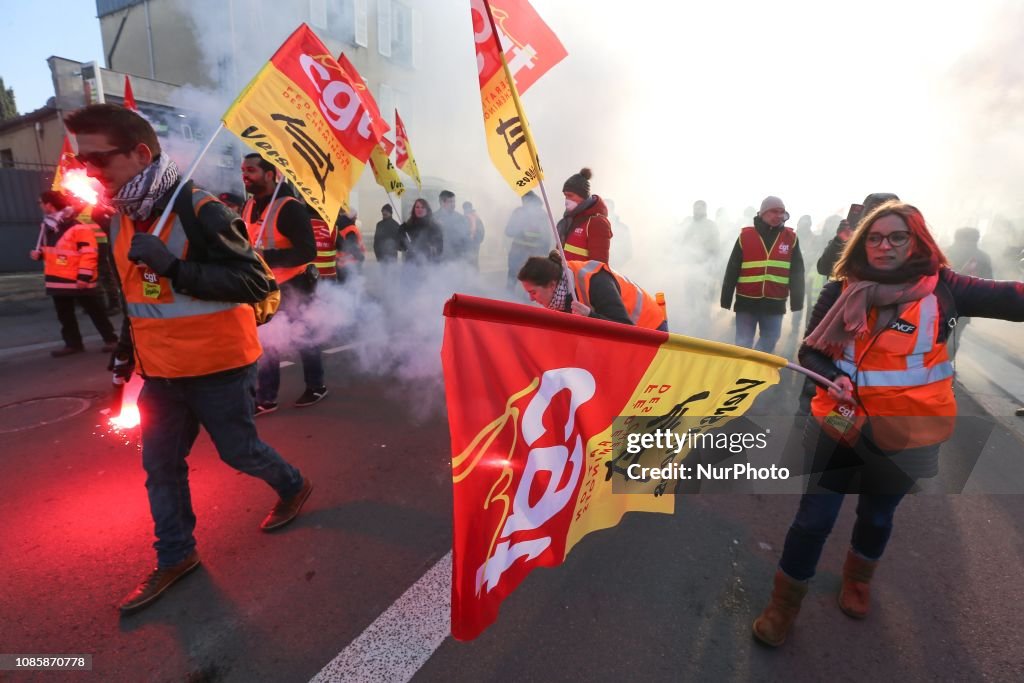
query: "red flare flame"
77, 182
129, 416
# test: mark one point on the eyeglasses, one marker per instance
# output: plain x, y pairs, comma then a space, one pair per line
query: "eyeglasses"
102, 158
895, 239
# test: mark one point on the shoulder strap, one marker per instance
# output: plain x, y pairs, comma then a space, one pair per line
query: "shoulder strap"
947, 309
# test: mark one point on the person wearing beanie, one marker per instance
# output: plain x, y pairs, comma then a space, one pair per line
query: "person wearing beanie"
764, 269
585, 230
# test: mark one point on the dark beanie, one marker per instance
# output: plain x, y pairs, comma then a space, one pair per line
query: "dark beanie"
579, 183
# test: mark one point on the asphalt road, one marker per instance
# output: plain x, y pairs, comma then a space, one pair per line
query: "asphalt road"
658, 598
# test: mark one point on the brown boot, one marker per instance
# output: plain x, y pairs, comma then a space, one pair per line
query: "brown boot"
287, 509
855, 595
772, 627
154, 585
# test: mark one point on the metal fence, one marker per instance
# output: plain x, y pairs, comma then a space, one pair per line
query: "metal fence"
20, 215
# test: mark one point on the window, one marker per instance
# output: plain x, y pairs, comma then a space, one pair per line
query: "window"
384, 27
402, 35
318, 13
6, 158
386, 104
341, 20
362, 29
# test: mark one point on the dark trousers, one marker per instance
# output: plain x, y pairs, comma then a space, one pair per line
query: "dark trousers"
93, 305
813, 524
172, 411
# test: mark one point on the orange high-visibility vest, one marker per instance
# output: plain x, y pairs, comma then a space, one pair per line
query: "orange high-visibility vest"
904, 382
764, 273
326, 237
265, 229
176, 335
643, 308
72, 258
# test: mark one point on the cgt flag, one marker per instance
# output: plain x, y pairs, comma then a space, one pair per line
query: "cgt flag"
383, 170
534, 453
530, 48
305, 115
403, 157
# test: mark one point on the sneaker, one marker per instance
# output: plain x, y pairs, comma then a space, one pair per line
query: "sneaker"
109, 347
264, 408
158, 581
66, 351
287, 509
311, 396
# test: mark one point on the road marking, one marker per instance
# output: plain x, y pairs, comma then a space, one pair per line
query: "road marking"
402, 639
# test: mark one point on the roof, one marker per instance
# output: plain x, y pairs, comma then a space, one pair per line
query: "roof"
105, 7
41, 114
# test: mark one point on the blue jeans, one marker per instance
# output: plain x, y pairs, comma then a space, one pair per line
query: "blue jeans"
813, 523
172, 411
270, 371
747, 324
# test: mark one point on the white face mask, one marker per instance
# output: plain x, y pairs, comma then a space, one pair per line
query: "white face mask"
570, 204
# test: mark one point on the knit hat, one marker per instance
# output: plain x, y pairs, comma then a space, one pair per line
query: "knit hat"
579, 183
771, 202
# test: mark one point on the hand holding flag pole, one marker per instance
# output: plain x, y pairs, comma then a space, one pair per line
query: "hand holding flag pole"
533, 151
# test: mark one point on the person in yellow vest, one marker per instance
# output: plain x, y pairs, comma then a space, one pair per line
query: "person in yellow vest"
189, 331
600, 292
70, 270
351, 251
880, 332
283, 233
764, 270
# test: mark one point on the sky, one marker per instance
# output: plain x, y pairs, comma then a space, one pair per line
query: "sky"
31, 34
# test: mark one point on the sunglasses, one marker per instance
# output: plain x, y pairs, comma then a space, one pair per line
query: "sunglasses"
101, 159
895, 239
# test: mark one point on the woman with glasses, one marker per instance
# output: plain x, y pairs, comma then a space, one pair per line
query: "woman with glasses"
879, 332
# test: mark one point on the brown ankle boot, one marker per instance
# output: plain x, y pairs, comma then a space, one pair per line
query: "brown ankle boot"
855, 595
772, 627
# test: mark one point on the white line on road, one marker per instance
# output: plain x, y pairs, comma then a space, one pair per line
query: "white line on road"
402, 639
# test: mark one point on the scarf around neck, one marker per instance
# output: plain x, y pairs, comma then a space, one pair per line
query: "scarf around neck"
560, 297
137, 197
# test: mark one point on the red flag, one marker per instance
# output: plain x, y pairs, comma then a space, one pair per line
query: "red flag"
129, 96
539, 439
377, 122
531, 48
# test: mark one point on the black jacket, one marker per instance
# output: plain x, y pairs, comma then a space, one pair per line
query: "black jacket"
771, 306
828, 258
385, 240
220, 264
421, 240
962, 295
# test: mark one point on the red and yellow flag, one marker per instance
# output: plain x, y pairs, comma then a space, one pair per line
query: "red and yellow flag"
304, 114
403, 157
377, 122
511, 28
534, 450
383, 170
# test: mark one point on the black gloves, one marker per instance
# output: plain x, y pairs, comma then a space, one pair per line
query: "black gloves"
122, 364
151, 250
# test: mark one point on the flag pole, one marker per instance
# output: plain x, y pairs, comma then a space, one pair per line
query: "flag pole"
391, 201
39, 242
181, 183
813, 375
533, 151
270, 204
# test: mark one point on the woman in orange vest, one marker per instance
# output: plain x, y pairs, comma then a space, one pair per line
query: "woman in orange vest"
600, 292
879, 332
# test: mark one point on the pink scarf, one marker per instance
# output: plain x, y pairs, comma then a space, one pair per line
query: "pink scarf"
848, 317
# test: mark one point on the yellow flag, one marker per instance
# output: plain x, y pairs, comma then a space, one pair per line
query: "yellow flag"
383, 170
